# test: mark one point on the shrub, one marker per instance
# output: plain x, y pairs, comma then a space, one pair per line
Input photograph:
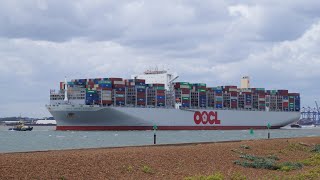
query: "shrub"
316, 148
245, 146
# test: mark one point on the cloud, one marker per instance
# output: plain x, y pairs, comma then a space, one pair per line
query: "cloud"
215, 42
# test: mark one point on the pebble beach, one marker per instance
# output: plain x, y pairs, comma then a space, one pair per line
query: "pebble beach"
156, 161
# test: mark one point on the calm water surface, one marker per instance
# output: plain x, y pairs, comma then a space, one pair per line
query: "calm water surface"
46, 138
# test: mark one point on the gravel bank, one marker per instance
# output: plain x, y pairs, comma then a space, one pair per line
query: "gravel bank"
151, 162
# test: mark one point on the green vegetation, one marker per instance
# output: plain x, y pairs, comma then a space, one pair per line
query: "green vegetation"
269, 162
313, 174
238, 176
314, 160
316, 148
128, 168
245, 146
289, 166
215, 176
147, 169
297, 147
62, 178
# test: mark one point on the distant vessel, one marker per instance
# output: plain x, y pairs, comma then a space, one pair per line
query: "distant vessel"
21, 127
42, 122
153, 99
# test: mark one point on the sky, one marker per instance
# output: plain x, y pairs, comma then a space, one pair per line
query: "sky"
276, 43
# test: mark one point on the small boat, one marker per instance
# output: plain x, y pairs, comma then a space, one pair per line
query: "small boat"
21, 127
295, 125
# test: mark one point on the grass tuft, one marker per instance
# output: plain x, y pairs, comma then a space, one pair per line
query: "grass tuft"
238, 176
147, 169
245, 146
215, 176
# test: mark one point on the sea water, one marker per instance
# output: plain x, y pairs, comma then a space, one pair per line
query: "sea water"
46, 138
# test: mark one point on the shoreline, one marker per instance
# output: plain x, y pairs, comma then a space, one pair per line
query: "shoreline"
163, 161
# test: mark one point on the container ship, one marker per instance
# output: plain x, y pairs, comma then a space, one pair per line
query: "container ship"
154, 99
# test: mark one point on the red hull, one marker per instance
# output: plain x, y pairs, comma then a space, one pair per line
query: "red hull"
126, 128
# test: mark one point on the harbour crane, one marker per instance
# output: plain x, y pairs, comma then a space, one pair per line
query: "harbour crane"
317, 119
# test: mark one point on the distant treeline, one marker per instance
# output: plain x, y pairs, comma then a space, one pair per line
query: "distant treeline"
23, 118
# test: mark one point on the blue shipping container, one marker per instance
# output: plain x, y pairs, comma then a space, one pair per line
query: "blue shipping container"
106, 85
141, 90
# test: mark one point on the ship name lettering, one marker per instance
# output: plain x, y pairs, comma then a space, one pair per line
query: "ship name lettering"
205, 117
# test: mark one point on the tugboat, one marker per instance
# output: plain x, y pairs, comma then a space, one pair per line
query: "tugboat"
295, 125
21, 127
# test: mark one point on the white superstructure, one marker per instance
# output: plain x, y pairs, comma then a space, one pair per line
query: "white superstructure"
155, 76
245, 82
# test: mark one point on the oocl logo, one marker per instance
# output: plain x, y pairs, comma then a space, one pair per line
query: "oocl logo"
206, 117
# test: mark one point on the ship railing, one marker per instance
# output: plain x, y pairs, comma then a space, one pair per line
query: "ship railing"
169, 107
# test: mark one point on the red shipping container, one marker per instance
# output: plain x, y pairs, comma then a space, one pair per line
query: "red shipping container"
120, 98
120, 92
62, 85
118, 85
185, 91
141, 96
285, 104
106, 102
262, 95
234, 94
115, 79
160, 91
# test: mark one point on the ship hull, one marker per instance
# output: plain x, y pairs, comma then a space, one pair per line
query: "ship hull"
71, 117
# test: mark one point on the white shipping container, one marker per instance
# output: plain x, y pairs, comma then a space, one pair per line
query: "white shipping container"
184, 86
262, 99
96, 85
106, 98
119, 82
132, 83
245, 90
185, 95
233, 90
106, 92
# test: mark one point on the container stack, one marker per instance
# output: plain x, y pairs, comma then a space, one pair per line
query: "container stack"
201, 90
285, 99
92, 97
182, 93
230, 97
261, 98
140, 87
105, 91
218, 96
135, 92
210, 94
294, 101
160, 94
118, 91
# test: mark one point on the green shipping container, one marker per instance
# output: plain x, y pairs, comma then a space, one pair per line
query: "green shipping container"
160, 88
104, 82
184, 83
185, 98
91, 91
